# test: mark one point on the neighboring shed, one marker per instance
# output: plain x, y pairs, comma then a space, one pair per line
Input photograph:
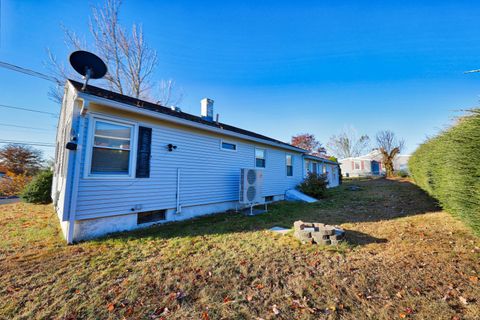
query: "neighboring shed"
370, 165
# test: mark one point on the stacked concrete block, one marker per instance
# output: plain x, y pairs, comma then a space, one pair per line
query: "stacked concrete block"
318, 233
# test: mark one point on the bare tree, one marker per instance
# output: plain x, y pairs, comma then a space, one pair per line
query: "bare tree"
348, 144
389, 146
130, 60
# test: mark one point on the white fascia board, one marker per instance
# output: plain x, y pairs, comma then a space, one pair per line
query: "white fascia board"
161, 116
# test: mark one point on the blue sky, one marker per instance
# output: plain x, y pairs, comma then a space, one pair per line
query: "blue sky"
278, 68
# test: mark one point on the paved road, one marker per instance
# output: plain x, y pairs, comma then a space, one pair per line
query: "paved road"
6, 201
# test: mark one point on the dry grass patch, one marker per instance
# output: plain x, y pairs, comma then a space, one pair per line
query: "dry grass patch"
404, 259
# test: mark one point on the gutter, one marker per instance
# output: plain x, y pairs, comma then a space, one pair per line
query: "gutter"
157, 115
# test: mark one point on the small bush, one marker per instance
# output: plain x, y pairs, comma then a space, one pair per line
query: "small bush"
314, 185
402, 173
38, 191
12, 184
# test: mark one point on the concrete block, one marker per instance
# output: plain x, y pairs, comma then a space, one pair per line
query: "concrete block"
303, 236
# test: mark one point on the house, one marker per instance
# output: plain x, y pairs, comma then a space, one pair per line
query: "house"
370, 165
319, 165
123, 163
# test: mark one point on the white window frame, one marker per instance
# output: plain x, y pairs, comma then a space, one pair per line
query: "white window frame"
264, 157
286, 164
132, 165
229, 142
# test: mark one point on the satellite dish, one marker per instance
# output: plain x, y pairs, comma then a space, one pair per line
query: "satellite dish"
88, 65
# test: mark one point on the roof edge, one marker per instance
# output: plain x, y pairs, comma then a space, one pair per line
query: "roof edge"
165, 117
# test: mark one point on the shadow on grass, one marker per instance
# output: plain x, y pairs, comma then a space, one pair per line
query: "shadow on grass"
377, 200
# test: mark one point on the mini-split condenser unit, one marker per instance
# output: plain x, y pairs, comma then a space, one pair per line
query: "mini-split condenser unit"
251, 182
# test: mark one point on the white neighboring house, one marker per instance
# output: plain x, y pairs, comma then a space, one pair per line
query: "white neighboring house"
370, 165
123, 163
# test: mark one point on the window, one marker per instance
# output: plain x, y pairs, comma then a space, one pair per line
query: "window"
111, 150
259, 158
151, 216
229, 146
307, 165
269, 198
324, 168
357, 165
314, 167
289, 162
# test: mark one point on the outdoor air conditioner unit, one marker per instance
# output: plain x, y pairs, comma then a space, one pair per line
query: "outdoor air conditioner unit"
251, 181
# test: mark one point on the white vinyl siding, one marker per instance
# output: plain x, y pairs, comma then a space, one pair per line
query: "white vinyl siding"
207, 175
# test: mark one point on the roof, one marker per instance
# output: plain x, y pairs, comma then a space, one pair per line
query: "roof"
312, 157
142, 104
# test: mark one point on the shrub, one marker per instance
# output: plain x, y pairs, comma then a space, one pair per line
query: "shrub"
38, 190
402, 173
12, 184
447, 167
314, 185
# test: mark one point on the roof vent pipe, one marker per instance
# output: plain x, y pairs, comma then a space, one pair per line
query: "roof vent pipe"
207, 109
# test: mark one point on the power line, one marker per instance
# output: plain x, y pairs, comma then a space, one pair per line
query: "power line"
29, 72
28, 143
27, 109
23, 127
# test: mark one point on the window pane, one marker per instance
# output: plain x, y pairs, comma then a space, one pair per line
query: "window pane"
110, 161
260, 163
314, 167
112, 142
259, 153
289, 160
229, 146
289, 171
110, 130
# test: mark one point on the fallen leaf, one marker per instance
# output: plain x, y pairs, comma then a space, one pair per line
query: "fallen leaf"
463, 300
275, 309
402, 315
205, 316
226, 300
249, 298
409, 310
110, 307
474, 279
129, 311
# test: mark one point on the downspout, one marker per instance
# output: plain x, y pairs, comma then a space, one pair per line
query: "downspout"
76, 173
179, 207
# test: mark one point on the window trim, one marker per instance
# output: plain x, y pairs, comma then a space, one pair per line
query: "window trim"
286, 164
264, 157
229, 142
93, 118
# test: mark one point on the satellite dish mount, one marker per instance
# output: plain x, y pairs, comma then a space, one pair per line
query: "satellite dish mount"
88, 65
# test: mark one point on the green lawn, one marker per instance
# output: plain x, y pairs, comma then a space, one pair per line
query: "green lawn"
404, 259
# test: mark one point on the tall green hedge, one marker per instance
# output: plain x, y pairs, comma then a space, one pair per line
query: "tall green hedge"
448, 168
